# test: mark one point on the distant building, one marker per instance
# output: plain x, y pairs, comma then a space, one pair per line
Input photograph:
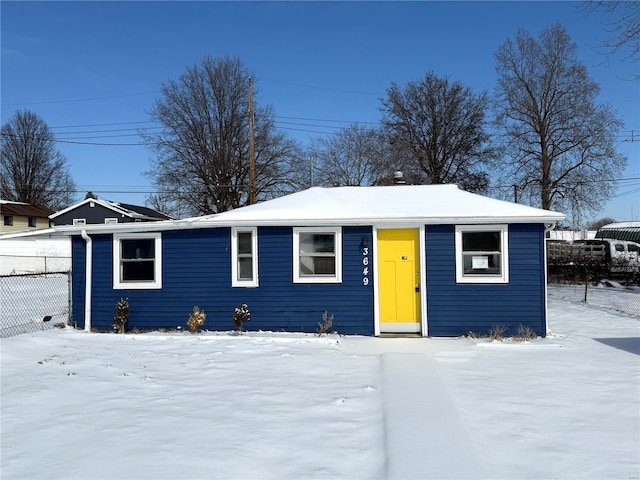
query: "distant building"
18, 216
92, 211
629, 231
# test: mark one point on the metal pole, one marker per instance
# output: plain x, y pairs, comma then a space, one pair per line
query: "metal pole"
252, 163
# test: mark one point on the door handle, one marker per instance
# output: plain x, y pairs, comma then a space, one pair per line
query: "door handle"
417, 288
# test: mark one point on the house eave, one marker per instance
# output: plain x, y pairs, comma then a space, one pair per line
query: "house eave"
213, 222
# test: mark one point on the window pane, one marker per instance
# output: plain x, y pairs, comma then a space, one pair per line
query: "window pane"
317, 243
481, 241
245, 268
244, 242
138, 248
317, 265
132, 271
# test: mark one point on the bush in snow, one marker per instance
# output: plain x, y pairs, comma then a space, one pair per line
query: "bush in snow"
241, 315
326, 325
122, 315
525, 334
196, 319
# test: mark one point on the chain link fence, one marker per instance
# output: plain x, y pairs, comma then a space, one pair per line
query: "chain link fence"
34, 302
606, 294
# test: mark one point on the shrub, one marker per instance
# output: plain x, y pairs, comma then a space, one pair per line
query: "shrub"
122, 315
326, 325
196, 319
496, 332
525, 334
241, 315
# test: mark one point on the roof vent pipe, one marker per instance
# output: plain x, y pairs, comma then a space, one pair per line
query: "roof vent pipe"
398, 178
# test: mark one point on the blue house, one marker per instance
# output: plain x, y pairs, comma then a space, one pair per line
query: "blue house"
428, 260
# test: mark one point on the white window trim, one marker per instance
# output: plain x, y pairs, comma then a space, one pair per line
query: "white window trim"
110, 220
337, 278
235, 282
79, 221
117, 283
504, 257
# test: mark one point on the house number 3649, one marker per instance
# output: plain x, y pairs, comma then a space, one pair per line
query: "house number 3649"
365, 265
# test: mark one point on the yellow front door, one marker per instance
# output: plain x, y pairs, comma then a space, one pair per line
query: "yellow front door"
399, 280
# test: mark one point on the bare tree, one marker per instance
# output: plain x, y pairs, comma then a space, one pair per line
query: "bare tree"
440, 128
597, 224
202, 163
559, 141
622, 25
354, 156
31, 169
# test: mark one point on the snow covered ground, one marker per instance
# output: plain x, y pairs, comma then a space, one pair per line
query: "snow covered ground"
293, 406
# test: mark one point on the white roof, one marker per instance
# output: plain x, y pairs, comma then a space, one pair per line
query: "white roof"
426, 204
392, 205
620, 226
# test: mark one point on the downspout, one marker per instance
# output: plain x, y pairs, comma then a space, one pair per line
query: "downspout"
87, 281
547, 229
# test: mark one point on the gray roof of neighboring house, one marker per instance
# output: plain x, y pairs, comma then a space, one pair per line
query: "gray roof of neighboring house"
129, 210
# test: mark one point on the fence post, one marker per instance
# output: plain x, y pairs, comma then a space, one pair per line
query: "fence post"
69, 315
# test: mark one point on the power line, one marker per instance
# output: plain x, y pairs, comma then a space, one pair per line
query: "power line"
81, 99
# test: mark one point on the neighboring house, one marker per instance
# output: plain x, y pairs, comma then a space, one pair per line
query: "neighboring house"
18, 216
426, 260
95, 211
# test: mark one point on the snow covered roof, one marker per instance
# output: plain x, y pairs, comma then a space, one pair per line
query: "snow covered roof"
620, 225
620, 231
427, 204
390, 205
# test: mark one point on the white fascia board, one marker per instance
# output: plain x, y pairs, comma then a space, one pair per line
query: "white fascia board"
105, 204
374, 221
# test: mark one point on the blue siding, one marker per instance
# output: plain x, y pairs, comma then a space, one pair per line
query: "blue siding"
77, 281
197, 271
456, 309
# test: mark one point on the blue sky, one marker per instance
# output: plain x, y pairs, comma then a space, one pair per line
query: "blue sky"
97, 67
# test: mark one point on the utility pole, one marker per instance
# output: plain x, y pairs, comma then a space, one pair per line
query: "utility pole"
252, 161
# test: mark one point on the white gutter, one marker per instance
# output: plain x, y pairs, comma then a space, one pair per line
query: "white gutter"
87, 281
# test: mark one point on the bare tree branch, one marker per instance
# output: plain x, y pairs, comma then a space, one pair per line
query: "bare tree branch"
440, 127
31, 169
202, 155
559, 141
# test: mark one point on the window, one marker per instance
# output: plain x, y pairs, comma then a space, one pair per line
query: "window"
317, 255
137, 260
110, 220
79, 221
8, 220
32, 222
244, 257
481, 254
